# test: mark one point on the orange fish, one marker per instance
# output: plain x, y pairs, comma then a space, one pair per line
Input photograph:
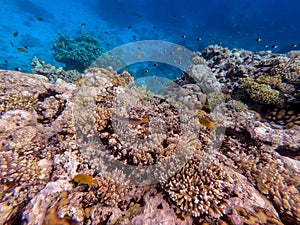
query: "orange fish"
85, 179
58, 43
133, 121
22, 50
207, 123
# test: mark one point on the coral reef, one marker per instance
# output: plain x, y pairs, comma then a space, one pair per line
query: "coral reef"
269, 79
79, 53
53, 72
103, 151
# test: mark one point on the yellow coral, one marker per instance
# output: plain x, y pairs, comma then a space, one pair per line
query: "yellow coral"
274, 81
260, 93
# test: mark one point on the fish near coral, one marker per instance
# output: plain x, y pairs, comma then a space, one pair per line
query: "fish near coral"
207, 123
133, 121
85, 179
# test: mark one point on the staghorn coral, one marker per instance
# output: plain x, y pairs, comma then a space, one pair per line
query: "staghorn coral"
78, 53
53, 72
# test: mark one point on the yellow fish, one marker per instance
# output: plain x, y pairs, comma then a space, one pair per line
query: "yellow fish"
22, 50
133, 121
85, 179
139, 55
207, 123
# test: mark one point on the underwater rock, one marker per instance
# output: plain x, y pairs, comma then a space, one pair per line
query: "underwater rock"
79, 53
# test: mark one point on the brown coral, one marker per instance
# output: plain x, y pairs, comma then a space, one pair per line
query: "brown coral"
198, 191
53, 72
279, 184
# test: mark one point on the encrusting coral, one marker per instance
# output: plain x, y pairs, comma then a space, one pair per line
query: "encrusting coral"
260, 93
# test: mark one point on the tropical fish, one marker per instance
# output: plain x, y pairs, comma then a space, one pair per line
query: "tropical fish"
207, 106
207, 123
22, 50
15, 34
58, 43
139, 55
40, 19
133, 121
85, 179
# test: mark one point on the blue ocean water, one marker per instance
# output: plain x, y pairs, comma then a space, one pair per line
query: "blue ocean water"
34, 25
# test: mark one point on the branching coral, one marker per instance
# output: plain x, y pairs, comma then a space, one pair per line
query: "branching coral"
199, 191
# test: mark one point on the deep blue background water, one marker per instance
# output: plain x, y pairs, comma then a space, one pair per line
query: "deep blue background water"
231, 23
